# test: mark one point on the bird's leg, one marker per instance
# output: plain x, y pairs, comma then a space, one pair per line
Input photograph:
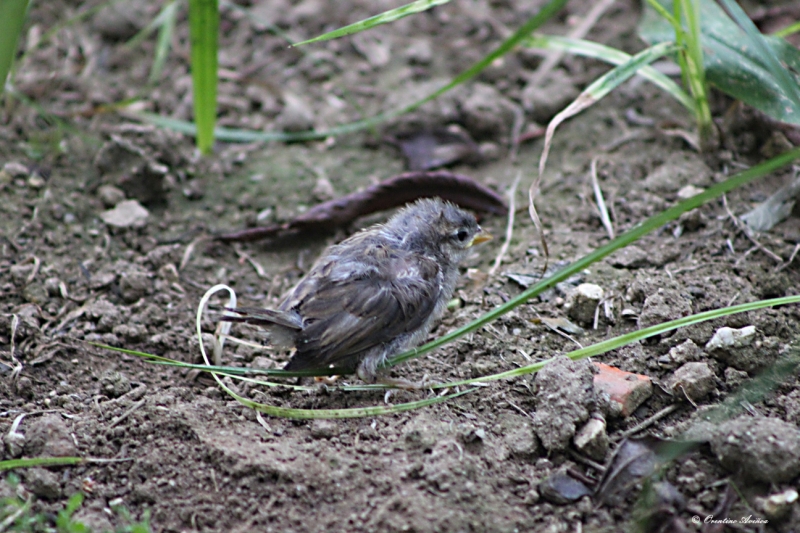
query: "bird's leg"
397, 383
370, 371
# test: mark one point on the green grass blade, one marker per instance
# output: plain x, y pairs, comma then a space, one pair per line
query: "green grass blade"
600, 88
791, 29
761, 71
204, 35
12, 18
166, 30
621, 73
11, 464
352, 412
232, 135
613, 56
151, 26
620, 242
628, 338
377, 20
696, 74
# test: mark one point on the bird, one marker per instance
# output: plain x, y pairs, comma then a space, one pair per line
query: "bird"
375, 294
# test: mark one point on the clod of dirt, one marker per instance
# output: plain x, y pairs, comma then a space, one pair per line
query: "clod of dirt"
131, 168
126, 214
110, 195
324, 429
734, 378
633, 257
680, 169
43, 483
582, 302
105, 313
695, 380
547, 97
691, 221
592, 439
114, 384
24, 387
422, 433
560, 488
486, 113
760, 449
120, 22
49, 436
663, 306
296, 115
685, 352
518, 435
564, 398
447, 466
93, 516
134, 284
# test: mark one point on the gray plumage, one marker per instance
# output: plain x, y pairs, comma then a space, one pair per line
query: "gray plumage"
375, 294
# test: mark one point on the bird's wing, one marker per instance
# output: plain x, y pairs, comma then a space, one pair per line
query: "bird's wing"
363, 302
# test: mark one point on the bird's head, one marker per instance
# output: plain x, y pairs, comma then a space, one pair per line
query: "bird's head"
439, 228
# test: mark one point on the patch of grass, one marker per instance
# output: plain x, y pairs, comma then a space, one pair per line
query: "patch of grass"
17, 515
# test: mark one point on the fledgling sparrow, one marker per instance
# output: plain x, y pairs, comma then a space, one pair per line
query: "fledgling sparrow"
375, 294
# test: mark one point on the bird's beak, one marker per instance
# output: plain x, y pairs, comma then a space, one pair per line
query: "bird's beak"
483, 236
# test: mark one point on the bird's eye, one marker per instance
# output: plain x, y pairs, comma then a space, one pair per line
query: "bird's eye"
462, 235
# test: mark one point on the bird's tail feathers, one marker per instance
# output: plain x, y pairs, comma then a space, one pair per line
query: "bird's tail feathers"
264, 317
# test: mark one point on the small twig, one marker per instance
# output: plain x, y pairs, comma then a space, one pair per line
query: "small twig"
791, 259
644, 424
256, 266
127, 413
516, 136
585, 460
520, 409
17, 365
512, 192
187, 254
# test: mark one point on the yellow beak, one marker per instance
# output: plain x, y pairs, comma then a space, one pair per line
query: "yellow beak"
483, 236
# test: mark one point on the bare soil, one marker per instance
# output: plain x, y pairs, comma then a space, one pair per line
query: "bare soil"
195, 459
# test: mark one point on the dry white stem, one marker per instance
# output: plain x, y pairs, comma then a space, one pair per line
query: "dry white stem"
512, 192
601, 203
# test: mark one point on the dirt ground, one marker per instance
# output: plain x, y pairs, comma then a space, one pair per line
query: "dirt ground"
195, 459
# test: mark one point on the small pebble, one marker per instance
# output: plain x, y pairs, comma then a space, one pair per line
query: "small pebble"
777, 506
582, 302
695, 380
592, 439
126, 214
110, 195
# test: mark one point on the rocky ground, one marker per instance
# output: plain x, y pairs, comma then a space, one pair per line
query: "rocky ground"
106, 223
